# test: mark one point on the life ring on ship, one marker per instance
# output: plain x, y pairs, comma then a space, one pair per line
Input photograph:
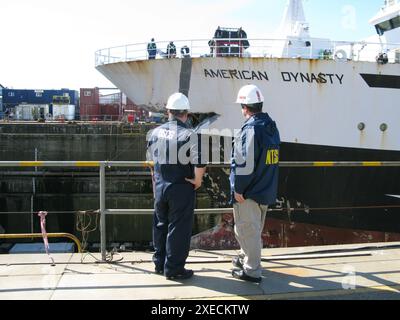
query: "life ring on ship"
341, 55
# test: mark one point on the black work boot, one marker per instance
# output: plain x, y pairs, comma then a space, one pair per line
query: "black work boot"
241, 275
159, 271
185, 274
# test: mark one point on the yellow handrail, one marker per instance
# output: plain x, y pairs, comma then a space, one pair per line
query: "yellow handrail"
39, 235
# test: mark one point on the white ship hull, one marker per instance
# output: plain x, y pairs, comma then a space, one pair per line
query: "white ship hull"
314, 102
318, 105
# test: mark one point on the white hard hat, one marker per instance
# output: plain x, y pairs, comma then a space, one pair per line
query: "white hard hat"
178, 101
250, 94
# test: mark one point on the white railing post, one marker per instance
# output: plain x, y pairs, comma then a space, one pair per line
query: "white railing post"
287, 49
352, 51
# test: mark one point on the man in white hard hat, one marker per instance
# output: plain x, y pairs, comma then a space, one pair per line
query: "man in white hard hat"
254, 181
178, 173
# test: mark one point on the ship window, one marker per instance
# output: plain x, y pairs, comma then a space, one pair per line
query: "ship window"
396, 22
383, 27
388, 25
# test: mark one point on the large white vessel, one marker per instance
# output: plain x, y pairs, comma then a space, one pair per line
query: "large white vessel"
319, 91
332, 100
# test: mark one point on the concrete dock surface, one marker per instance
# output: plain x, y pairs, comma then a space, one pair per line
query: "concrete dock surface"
350, 272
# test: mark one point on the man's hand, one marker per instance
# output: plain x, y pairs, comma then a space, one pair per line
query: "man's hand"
198, 178
239, 198
196, 183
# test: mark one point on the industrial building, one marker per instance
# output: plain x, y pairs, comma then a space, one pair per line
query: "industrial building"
26, 104
89, 104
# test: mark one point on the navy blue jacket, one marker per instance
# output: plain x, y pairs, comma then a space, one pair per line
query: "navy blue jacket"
255, 160
152, 49
165, 144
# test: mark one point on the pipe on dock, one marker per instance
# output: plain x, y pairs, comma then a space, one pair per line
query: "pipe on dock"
49, 235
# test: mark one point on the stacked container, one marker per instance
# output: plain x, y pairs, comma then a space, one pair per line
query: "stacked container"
89, 104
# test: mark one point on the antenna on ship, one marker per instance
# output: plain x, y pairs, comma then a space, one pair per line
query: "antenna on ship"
294, 22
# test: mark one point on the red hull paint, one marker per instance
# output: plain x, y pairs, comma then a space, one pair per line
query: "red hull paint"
282, 234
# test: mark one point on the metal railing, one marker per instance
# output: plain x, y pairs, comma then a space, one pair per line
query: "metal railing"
259, 48
49, 235
103, 165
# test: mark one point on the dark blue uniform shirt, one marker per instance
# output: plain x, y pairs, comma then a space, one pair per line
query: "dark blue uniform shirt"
176, 151
255, 160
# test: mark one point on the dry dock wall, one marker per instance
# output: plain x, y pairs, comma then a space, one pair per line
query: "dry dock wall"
68, 190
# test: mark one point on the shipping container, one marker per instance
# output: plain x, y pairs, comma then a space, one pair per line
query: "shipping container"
110, 112
107, 107
89, 112
94, 106
89, 96
89, 108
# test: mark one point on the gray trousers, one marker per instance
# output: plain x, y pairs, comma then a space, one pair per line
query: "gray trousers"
249, 224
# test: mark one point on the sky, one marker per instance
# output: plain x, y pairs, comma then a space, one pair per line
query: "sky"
51, 44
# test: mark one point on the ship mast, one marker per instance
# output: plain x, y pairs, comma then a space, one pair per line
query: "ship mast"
294, 22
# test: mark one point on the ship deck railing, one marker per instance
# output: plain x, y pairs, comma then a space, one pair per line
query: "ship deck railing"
321, 49
103, 165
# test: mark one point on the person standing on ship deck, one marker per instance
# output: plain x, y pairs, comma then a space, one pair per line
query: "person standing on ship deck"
152, 49
171, 50
254, 181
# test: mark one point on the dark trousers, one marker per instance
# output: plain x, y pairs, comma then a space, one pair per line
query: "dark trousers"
172, 228
152, 54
